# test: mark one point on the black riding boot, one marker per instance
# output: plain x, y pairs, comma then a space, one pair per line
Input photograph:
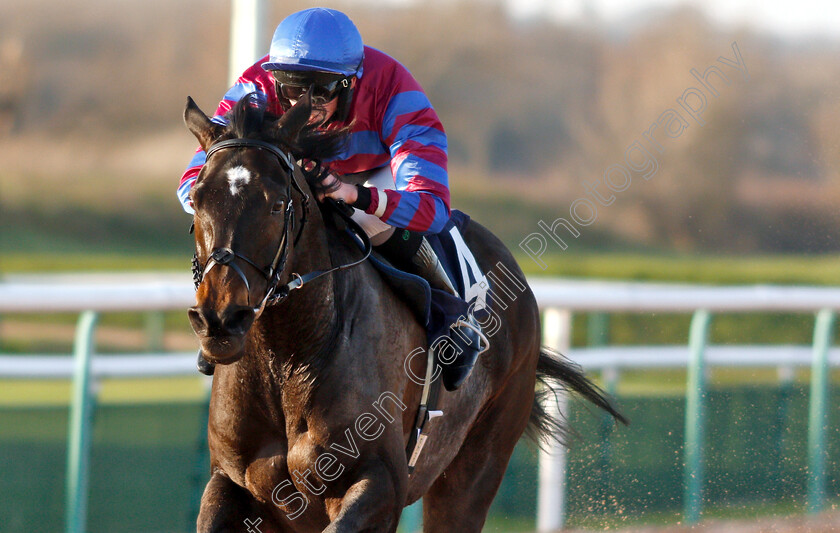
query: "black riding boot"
411, 252
455, 373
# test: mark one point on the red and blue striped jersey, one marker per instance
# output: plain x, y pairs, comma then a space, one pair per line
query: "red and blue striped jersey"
393, 123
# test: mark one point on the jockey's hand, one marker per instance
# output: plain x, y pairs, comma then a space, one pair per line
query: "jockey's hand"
345, 191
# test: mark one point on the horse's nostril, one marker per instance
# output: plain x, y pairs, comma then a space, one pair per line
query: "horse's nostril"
238, 319
197, 319
235, 320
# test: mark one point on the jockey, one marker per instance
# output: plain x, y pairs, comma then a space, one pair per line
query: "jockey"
396, 150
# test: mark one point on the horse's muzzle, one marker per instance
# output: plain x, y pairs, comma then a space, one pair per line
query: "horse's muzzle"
222, 335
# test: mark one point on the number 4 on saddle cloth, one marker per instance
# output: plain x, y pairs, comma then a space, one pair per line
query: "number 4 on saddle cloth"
452, 323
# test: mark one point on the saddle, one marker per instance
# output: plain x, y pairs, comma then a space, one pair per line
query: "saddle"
437, 310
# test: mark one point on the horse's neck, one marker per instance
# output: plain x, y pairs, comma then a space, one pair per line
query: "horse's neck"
302, 329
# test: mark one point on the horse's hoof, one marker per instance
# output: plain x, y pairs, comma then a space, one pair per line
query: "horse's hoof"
204, 366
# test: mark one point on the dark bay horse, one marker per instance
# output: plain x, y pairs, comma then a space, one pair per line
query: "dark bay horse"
312, 404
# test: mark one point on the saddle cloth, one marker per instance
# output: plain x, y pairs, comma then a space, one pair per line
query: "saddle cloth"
434, 308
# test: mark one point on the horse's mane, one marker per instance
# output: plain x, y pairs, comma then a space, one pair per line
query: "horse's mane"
250, 118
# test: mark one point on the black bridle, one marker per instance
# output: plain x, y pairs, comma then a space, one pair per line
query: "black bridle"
275, 293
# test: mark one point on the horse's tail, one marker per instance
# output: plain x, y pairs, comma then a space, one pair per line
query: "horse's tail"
556, 373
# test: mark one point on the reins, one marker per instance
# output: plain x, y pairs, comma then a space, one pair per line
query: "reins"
276, 293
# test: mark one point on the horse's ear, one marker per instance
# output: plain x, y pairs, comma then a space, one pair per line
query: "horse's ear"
204, 129
293, 120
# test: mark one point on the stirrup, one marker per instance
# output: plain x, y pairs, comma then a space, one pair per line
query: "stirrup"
474, 327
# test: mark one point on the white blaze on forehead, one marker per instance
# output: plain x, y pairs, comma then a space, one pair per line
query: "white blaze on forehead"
237, 177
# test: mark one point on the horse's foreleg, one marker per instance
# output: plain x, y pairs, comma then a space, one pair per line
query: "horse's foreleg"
371, 505
225, 506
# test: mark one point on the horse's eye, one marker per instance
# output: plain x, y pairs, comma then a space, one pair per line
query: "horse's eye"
278, 207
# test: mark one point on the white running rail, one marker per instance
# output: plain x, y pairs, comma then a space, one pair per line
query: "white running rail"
558, 298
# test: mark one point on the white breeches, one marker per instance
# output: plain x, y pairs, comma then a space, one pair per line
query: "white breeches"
377, 230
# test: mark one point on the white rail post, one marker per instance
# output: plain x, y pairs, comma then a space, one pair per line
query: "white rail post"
79, 431
818, 412
247, 39
695, 417
551, 505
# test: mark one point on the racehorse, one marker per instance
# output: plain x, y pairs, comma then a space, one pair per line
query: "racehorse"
313, 401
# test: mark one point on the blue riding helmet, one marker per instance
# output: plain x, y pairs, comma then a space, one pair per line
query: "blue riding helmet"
317, 39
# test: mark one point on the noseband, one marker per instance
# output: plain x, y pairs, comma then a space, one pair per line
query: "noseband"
274, 293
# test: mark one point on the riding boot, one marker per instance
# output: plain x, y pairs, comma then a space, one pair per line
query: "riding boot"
411, 252
204, 366
455, 373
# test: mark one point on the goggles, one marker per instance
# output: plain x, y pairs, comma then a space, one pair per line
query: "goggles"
323, 91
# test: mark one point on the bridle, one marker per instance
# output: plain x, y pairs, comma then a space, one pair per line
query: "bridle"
275, 293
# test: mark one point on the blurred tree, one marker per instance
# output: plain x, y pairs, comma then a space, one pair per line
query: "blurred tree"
15, 85
532, 107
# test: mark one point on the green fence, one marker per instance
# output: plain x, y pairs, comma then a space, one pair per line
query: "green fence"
734, 445
143, 468
756, 453
144, 461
